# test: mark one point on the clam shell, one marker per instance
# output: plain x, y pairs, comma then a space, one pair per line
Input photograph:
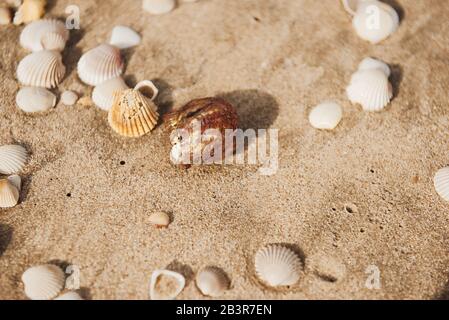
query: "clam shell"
371, 63
12, 159
124, 37
71, 295
5, 16
41, 69
43, 282
158, 6
160, 219
48, 34
326, 115
277, 266
29, 11
9, 194
35, 99
371, 89
212, 281
441, 183
69, 98
133, 114
103, 94
166, 285
100, 64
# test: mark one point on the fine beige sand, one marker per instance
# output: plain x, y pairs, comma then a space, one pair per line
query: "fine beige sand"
360, 195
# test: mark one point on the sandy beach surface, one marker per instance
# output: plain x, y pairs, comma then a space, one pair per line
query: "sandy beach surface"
359, 196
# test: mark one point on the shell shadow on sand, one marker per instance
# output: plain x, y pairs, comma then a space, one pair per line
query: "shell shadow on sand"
6, 232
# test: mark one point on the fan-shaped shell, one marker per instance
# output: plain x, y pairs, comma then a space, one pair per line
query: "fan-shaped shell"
158, 6
71, 295
35, 99
277, 266
9, 194
441, 183
30, 10
43, 282
371, 89
166, 285
212, 281
48, 34
371, 63
41, 69
133, 114
12, 158
326, 115
103, 94
100, 64
124, 37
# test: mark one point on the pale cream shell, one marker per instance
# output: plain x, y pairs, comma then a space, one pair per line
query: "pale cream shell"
35, 99
326, 116
371, 63
176, 277
12, 159
29, 11
157, 7
103, 94
9, 193
277, 265
441, 183
212, 281
41, 69
69, 98
5, 16
48, 34
124, 37
159, 219
43, 282
71, 295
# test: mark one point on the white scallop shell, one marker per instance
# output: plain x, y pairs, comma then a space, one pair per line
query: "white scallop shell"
277, 266
103, 94
48, 34
16, 181
9, 194
158, 6
371, 63
35, 99
441, 183
212, 281
375, 21
41, 69
371, 89
326, 115
124, 37
100, 64
43, 282
177, 279
71, 295
12, 159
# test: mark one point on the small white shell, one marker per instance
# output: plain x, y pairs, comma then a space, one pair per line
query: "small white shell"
35, 99
43, 282
166, 285
69, 98
160, 219
12, 159
124, 37
103, 94
441, 183
375, 21
371, 89
212, 281
371, 63
5, 16
9, 194
158, 6
41, 69
71, 295
44, 34
326, 115
277, 266
100, 64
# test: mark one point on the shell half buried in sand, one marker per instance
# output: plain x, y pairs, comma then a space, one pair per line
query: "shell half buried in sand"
133, 114
166, 285
12, 158
212, 281
43, 282
30, 10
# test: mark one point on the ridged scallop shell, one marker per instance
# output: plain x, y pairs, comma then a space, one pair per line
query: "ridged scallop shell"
277, 266
30, 10
43, 282
326, 115
212, 281
375, 21
371, 63
12, 159
100, 64
166, 285
371, 89
133, 114
9, 194
441, 183
158, 6
41, 69
35, 99
44, 34
71, 295
124, 37
103, 94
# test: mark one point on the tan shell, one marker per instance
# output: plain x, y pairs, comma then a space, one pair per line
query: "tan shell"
212, 281
160, 219
5, 16
30, 10
166, 285
71, 295
9, 193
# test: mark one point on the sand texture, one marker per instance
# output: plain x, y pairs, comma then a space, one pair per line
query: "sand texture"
357, 196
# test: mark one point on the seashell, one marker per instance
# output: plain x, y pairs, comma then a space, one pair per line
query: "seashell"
124, 37
160, 219
326, 115
166, 285
132, 113
158, 6
100, 64
47, 34
35, 99
12, 159
5, 16
29, 11
16, 181
371, 89
71, 295
375, 21
41, 69
212, 281
69, 98
43, 282
277, 266
328, 268
441, 183
103, 94
370, 63
9, 194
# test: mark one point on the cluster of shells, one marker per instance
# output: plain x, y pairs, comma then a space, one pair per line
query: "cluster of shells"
12, 161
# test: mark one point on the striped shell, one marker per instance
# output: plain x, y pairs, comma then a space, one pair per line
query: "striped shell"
100, 64
441, 183
41, 69
71, 295
35, 99
103, 94
9, 193
29, 11
12, 159
166, 285
48, 34
212, 281
43, 282
277, 266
